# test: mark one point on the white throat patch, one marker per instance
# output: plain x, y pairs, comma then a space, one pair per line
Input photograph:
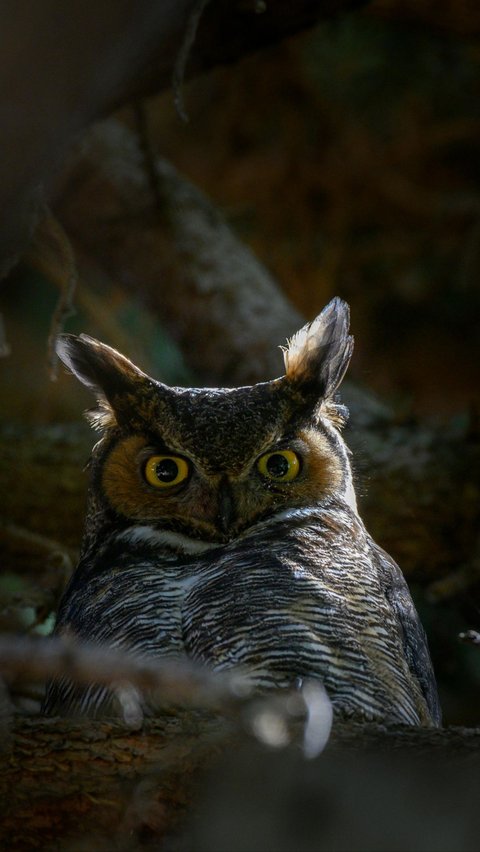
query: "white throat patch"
178, 541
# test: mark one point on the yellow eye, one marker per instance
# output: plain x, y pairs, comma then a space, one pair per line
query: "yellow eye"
165, 471
279, 466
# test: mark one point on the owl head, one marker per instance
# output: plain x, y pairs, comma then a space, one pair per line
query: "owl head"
208, 464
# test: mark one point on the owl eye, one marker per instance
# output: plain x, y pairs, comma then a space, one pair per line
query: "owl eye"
280, 466
165, 471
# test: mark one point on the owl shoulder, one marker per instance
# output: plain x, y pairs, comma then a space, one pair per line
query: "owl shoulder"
413, 635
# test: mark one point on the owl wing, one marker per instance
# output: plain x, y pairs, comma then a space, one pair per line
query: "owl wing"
413, 635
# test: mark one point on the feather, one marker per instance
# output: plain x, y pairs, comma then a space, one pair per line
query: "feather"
101, 368
104, 371
320, 352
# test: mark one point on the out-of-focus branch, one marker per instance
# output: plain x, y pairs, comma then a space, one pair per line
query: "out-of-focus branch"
138, 679
103, 780
218, 301
51, 88
178, 681
106, 786
61, 70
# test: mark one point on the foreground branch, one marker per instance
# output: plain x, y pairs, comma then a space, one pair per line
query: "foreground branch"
177, 680
102, 784
105, 787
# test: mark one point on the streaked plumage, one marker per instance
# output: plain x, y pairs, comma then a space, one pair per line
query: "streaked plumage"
257, 558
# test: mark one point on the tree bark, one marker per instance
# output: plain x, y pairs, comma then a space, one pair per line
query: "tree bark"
91, 782
99, 784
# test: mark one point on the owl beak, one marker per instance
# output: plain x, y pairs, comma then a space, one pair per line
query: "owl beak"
226, 507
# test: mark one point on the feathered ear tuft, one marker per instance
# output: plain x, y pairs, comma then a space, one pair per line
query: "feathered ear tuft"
318, 355
104, 371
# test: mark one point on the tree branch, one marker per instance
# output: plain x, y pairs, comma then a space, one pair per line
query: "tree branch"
51, 89
103, 786
217, 300
102, 781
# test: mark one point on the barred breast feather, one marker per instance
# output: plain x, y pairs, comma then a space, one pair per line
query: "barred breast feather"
304, 594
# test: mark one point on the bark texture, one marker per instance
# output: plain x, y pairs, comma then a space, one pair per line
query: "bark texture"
91, 783
97, 785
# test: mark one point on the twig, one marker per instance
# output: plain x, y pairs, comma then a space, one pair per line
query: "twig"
148, 154
64, 307
52, 253
4, 347
189, 37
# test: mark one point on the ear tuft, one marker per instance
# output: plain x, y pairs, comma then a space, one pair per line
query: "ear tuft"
102, 417
337, 413
96, 365
318, 355
104, 371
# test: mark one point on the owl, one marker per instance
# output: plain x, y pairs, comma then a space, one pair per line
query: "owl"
222, 526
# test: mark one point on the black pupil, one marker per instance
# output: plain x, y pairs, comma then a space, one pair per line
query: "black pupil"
277, 465
167, 470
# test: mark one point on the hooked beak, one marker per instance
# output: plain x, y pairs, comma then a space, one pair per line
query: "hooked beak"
226, 507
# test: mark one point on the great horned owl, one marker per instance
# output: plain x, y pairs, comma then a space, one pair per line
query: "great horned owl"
222, 525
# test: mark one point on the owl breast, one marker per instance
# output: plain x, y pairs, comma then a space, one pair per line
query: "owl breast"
298, 596
301, 597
